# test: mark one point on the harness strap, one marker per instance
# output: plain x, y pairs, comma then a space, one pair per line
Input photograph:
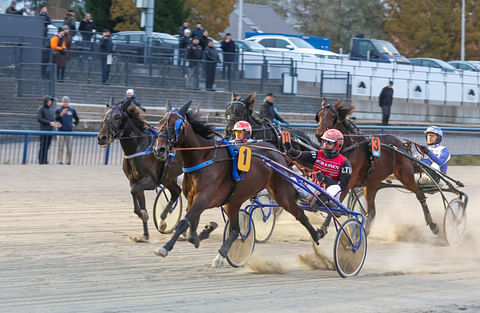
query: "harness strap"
197, 167
146, 152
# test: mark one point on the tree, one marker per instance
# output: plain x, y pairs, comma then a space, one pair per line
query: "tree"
339, 20
125, 15
431, 28
169, 15
100, 11
212, 14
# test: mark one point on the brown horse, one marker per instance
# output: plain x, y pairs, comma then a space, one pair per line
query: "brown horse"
369, 171
212, 185
125, 122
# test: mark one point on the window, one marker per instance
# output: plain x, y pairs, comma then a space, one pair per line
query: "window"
136, 38
363, 48
269, 43
282, 44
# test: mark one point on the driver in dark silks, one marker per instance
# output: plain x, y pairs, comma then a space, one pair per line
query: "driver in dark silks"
331, 170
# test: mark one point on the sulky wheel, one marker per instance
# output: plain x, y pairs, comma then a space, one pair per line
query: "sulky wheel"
171, 218
242, 248
455, 222
347, 261
263, 219
356, 201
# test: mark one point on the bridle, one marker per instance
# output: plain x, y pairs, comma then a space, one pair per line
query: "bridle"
115, 132
327, 108
170, 136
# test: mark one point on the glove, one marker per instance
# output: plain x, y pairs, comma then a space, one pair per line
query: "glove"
287, 146
320, 177
425, 149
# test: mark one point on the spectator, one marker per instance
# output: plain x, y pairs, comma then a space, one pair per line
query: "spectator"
228, 48
46, 20
68, 118
236, 97
268, 110
47, 123
106, 47
204, 40
59, 44
86, 27
198, 32
183, 43
12, 9
181, 30
69, 20
385, 102
211, 59
194, 57
130, 95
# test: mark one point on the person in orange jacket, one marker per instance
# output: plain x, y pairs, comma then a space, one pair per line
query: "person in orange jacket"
59, 44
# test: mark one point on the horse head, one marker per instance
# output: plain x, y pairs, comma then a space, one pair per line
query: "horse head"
239, 110
114, 121
332, 116
171, 132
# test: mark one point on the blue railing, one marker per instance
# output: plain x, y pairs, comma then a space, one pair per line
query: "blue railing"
22, 146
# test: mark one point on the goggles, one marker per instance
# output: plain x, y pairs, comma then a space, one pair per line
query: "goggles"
327, 142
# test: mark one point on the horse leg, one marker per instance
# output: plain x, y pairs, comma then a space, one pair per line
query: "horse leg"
232, 210
196, 209
137, 190
175, 192
192, 236
408, 180
370, 192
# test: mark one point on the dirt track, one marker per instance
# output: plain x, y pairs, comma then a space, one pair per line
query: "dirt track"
65, 248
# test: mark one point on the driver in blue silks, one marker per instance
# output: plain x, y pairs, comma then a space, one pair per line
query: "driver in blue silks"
435, 155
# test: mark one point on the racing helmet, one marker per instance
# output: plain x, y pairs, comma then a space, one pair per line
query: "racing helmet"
243, 126
130, 91
335, 136
435, 130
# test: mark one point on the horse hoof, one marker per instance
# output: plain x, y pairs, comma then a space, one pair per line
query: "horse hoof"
205, 233
194, 240
217, 262
434, 228
141, 239
161, 252
162, 226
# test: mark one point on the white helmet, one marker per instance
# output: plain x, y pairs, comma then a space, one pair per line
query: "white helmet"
130, 91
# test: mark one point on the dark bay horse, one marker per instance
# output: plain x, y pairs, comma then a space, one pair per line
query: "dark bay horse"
367, 170
125, 122
211, 184
242, 110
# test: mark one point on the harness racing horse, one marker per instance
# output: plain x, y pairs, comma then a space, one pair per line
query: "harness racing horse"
125, 122
208, 176
242, 110
369, 171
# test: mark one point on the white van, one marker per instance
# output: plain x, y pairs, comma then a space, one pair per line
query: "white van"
291, 44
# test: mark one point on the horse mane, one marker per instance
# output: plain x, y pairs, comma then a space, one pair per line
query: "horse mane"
200, 127
138, 116
343, 111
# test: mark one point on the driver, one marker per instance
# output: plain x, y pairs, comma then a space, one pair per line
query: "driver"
242, 131
435, 155
332, 171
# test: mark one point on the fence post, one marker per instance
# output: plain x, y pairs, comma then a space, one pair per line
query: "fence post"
321, 84
25, 148
107, 154
264, 73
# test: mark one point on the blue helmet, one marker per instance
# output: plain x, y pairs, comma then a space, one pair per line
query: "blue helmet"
435, 130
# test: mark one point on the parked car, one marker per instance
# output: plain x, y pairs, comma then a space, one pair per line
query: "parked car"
375, 50
435, 63
290, 45
133, 43
465, 65
249, 46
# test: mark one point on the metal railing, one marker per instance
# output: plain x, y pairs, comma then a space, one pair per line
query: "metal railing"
22, 146
260, 72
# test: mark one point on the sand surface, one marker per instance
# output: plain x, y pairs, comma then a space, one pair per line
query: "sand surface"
64, 247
